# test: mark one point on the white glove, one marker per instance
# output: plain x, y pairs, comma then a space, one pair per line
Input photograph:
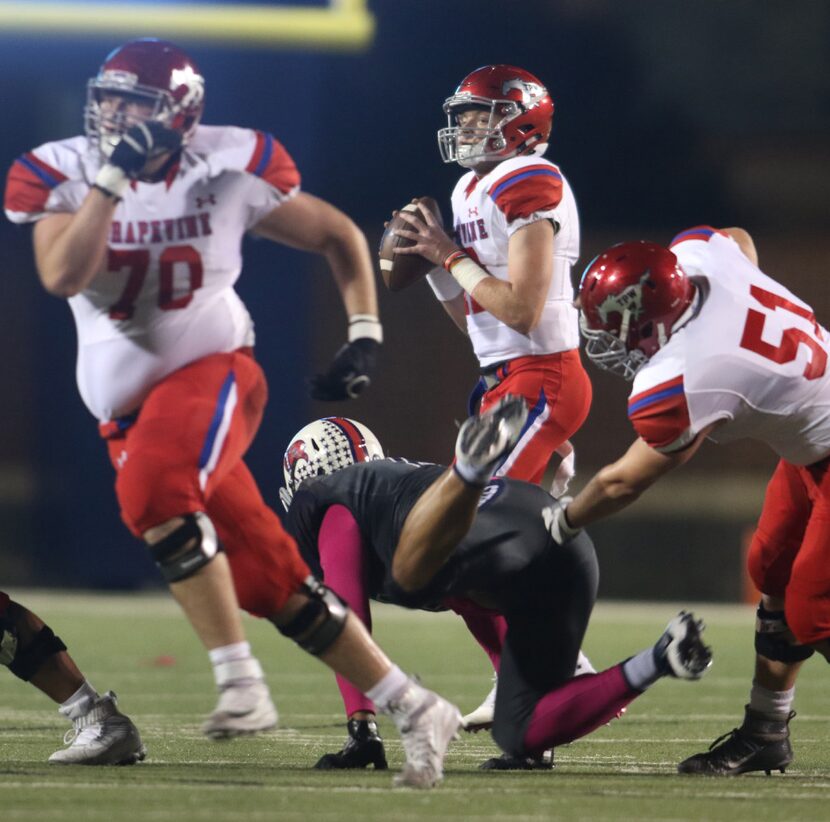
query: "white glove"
560, 529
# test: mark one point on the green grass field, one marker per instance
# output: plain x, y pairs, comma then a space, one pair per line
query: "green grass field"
141, 647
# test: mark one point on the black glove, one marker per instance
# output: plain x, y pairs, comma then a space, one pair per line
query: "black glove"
348, 375
143, 142
363, 747
140, 143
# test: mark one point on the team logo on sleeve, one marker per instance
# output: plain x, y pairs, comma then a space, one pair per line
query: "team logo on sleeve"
491, 493
628, 300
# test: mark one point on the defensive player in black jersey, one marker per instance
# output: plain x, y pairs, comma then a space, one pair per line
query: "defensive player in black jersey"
420, 535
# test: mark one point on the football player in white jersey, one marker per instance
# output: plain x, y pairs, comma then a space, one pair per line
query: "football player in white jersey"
139, 224
101, 734
506, 278
718, 350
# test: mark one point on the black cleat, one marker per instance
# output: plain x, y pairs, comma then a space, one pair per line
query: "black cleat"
760, 744
364, 747
505, 762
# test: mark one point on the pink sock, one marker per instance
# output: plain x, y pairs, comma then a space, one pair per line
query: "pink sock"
487, 626
577, 708
343, 560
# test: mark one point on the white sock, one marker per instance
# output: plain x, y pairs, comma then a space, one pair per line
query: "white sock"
230, 653
771, 703
641, 670
232, 663
388, 687
80, 702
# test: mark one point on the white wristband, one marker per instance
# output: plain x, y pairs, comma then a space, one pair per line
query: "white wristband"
443, 285
365, 325
468, 273
112, 179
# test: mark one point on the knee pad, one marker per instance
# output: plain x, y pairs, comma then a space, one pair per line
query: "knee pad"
774, 640
320, 621
187, 549
25, 662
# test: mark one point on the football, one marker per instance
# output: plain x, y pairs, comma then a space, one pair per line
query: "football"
402, 270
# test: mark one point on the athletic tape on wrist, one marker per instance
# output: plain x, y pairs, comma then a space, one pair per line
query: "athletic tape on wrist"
365, 325
112, 180
467, 273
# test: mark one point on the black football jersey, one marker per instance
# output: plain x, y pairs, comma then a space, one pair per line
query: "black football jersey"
509, 531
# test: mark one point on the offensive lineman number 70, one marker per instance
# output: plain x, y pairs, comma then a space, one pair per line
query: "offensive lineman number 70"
787, 350
137, 263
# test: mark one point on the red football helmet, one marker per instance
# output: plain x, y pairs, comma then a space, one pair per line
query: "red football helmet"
633, 297
153, 73
521, 115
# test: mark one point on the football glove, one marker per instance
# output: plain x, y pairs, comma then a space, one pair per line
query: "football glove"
141, 143
349, 373
561, 530
363, 747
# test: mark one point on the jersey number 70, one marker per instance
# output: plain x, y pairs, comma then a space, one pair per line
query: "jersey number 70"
787, 350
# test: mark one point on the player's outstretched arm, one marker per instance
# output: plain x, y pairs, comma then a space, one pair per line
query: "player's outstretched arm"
311, 224
444, 513
619, 484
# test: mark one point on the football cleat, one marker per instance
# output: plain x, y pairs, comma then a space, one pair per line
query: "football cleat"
244, 708
484, 441
680, 651
481, 719
363, 747
102, 736
427, 724
762, 743
506, 762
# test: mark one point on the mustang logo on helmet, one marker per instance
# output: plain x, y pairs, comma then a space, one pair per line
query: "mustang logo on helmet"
294, 454
630, 299
531, 93
194, 83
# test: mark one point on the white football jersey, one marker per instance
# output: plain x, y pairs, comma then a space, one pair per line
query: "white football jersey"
754, 357
486, 213
166, 296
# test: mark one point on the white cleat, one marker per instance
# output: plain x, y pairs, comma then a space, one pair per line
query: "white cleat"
481, 719
484, 441
244, 705
680, 651
102, 736
427, 724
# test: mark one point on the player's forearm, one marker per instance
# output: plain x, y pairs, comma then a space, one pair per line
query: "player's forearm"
351, 265
505, 303
433, 529
607, 493
70, 260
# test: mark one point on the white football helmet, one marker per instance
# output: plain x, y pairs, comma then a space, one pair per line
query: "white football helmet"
323, 447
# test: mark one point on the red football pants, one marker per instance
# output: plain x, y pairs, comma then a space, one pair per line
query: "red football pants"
184, 454
790, 552
558, 394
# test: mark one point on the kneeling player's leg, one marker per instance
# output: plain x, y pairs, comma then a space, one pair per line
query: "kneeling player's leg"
32, 652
